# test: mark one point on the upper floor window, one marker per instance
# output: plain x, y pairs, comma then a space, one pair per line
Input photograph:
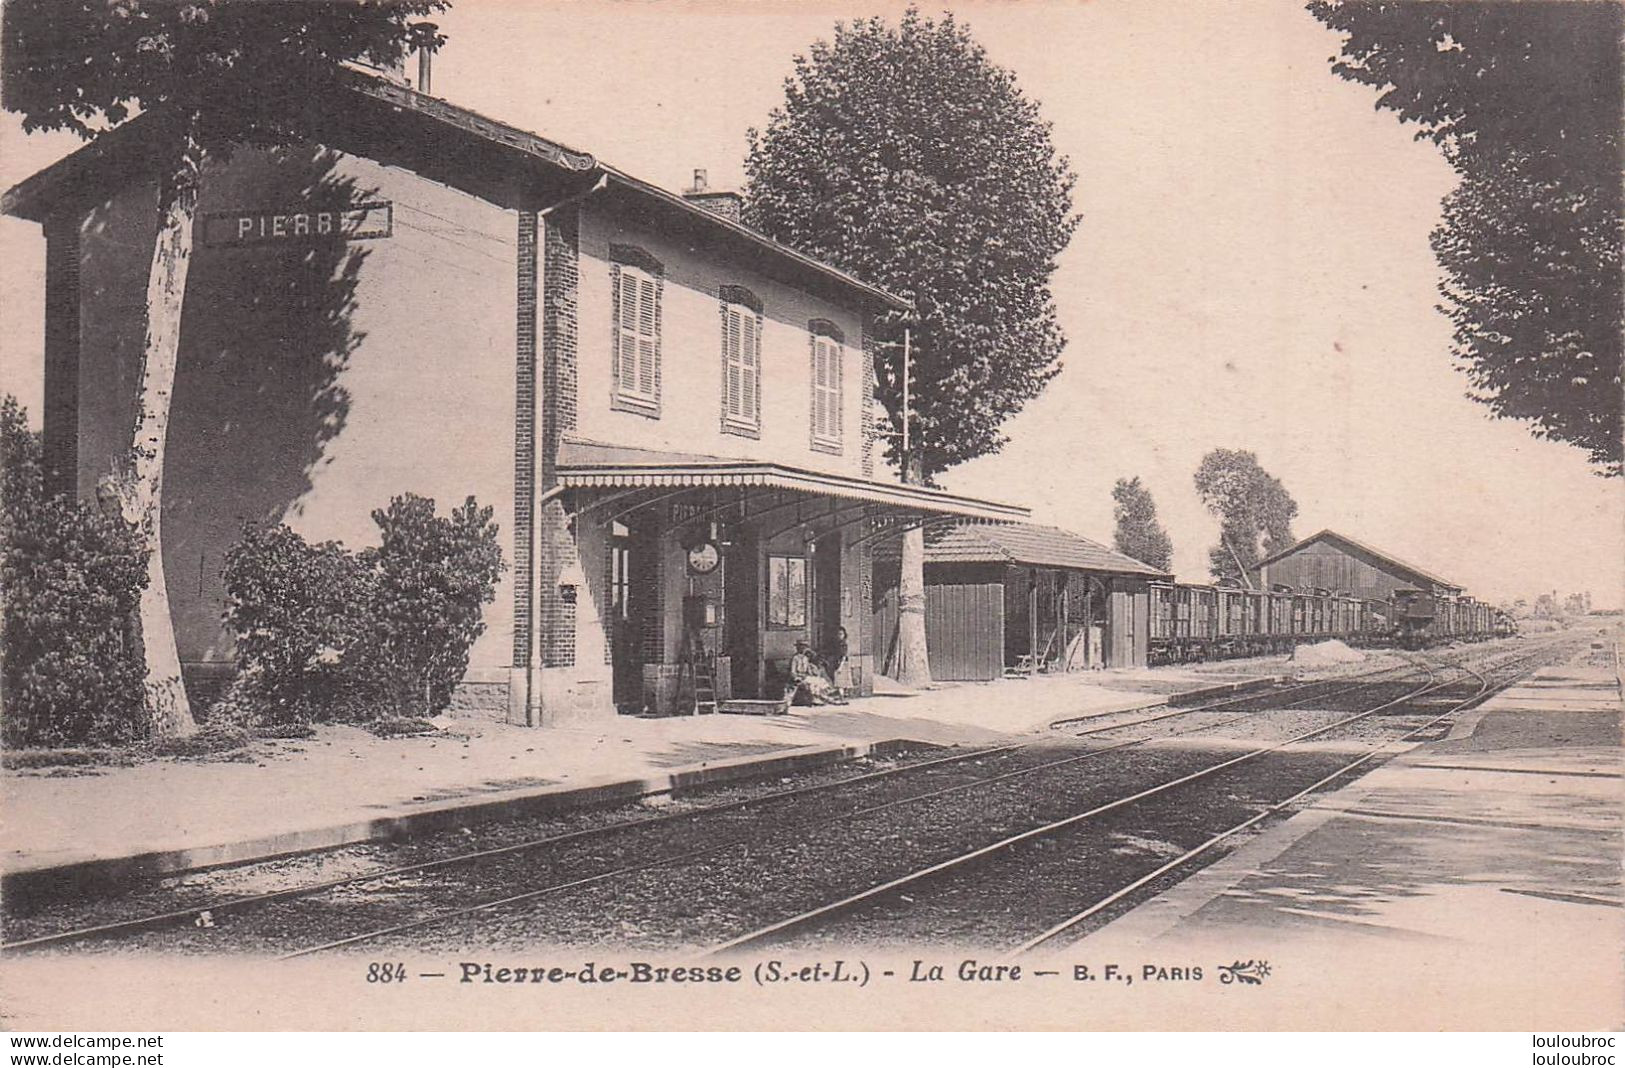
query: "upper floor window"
636, 281
828, 347
741, 361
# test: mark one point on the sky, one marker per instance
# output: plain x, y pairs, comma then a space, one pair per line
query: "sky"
1252, 269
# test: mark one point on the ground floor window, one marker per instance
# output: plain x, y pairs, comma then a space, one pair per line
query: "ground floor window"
620, 570
786, 591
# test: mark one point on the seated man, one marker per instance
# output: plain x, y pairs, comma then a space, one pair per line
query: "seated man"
808, 684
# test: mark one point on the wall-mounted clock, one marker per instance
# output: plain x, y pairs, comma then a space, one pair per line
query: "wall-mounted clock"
703, 558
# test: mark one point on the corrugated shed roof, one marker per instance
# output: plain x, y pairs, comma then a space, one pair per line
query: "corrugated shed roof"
1030, 544
1393, 561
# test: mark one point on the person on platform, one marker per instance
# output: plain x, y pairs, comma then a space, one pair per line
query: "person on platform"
808, 683
835, 665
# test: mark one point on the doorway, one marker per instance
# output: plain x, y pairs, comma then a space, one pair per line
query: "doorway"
742, 586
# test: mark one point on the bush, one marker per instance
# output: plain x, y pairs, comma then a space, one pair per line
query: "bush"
290, 604
71, 662
429, 579
323, 633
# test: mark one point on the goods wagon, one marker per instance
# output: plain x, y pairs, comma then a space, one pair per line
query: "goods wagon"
1196, 622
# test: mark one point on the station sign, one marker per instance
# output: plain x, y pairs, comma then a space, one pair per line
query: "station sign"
299, 225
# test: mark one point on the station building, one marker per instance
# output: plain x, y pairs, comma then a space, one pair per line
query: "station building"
672, 415
1017, 598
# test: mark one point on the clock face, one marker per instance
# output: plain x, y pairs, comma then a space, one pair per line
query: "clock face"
703, 558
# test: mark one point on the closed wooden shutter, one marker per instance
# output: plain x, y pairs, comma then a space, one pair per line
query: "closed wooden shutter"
636, 341
741, 366
730, 349
826, 392
750, 367
646, 336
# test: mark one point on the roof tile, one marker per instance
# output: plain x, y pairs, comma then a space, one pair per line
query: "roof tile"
1031, 544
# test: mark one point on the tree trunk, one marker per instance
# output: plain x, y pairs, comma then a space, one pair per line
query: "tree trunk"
913, 660
142, 492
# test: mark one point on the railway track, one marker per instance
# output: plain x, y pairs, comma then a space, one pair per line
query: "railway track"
969, 771
895, 907
418, 898
752, 858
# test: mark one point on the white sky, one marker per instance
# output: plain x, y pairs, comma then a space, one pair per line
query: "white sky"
1252, 270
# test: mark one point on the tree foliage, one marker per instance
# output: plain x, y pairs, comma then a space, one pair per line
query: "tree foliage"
87, 65
323, 632
1250, 504
1577, 604
905, 155
205, 76
1138, 533
1524, 101
71, 668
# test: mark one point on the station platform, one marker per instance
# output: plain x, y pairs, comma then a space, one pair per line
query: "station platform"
1473, 882
110, 824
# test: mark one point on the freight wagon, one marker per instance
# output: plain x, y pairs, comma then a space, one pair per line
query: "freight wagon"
1196, 622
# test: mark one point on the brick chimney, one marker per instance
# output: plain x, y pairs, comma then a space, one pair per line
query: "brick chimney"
723, 202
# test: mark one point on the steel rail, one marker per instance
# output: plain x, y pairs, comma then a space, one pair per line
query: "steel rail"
1243, 698
745, 839
248, 901
891, 886
1073, 921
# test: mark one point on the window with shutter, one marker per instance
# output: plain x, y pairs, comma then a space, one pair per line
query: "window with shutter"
635, 341
741, 363
826, 371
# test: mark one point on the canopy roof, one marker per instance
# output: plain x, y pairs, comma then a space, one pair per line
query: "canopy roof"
588, 465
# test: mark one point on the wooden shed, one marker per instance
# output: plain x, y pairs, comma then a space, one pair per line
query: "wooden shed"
1018, 597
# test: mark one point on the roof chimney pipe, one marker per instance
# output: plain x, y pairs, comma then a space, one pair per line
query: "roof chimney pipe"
723, 202
425, 39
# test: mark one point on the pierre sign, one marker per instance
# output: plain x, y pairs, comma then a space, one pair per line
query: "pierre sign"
298, 225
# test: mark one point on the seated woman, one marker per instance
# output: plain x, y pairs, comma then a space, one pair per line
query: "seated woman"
808, 684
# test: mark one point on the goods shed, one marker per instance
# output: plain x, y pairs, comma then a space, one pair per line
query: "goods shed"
1332, 561
1014, 598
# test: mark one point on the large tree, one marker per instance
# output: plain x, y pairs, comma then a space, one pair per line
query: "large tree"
1250, 504
205, 77
1524, 101
1138, 533
903, 154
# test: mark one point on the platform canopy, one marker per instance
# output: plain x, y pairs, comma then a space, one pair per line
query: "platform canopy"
619, 481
